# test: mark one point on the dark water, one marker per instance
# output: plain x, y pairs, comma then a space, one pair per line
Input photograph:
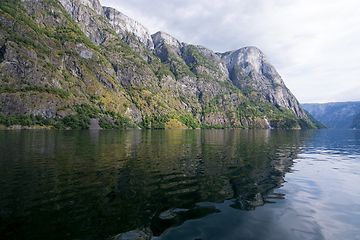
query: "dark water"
196, 184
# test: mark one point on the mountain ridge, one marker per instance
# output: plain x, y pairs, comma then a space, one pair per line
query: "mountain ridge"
339, 115
95, 55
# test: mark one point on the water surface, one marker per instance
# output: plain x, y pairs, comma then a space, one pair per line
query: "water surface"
180, 184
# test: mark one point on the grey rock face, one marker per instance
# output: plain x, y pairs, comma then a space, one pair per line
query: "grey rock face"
161, 38
210, 63
256, 65
92, 20
249, 67
86, 13
166, 45
71, 5
122, 25
84, 52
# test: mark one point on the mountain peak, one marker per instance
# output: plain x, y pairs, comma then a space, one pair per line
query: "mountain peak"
122, 25
248, 58
264, 77
160, 38
92, 4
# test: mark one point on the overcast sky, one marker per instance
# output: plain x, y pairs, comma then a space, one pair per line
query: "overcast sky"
313, 44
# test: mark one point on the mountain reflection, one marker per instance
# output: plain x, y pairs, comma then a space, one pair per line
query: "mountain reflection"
96, 184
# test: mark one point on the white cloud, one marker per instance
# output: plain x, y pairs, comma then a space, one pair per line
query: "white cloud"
314, 44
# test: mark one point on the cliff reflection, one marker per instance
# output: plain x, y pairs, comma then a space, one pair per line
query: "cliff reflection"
104, 183
171, 170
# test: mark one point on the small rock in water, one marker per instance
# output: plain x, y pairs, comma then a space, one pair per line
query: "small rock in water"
133, 235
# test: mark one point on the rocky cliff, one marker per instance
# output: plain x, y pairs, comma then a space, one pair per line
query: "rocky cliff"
250, 68
58, 57
123, 25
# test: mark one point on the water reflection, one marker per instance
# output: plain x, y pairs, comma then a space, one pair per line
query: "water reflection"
125, 184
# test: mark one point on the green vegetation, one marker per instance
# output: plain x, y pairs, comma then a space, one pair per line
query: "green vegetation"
198, 59
126, 52
154, 122
61, 93
22, 40
211, 106
160, 68
11, 7
108, 119
25, 120
81, 120
158, 122
230, 86
116, 122
189, 121
177, 66
249, 90
106, 123
78, 121
88, 111
279, 117
69, 32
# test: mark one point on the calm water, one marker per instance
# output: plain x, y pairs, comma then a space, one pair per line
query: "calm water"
195, 184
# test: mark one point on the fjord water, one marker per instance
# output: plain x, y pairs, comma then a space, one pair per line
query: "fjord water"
180, 184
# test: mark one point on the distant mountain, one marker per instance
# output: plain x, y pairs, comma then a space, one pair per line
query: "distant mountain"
71, 60
316, 122
356, 122
335, 114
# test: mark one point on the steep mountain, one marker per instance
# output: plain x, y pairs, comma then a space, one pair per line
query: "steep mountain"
250, 68
123, 25
335, 114
356, 122
316, 122
68, 61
